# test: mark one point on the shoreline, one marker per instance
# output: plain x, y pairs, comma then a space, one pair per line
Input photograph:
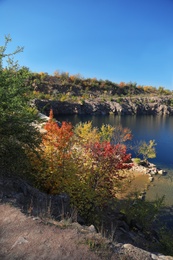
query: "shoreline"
144, 175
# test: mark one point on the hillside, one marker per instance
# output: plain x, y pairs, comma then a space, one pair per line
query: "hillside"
73, 94
32, 238
64, 86
35, 225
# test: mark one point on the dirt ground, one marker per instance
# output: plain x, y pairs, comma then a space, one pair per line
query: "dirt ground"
23, 237
27, 238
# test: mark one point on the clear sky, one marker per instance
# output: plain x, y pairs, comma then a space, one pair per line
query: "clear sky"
118, 40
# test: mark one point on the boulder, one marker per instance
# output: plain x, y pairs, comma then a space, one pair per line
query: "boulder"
151, 178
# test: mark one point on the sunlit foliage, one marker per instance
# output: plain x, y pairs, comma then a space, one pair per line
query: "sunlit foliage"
81, 162
17, 134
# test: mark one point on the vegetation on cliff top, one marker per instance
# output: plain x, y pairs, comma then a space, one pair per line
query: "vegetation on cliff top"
65, 87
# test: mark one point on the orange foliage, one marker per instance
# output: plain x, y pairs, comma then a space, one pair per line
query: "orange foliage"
57, 135
122, 84
72, 77
52, 167
121, 135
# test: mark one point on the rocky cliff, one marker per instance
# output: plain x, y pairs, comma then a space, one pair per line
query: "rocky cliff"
119, 106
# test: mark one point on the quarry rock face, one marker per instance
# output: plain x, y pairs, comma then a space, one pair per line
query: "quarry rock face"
124, 106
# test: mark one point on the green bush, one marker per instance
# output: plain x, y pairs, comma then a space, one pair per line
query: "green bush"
17, 133
119, 100
166, 241
137, 160
142, 212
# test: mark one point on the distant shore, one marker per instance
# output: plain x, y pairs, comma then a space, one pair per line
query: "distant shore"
120, 106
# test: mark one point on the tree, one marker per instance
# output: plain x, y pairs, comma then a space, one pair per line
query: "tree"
106, 132
54, 167
3, 53
147, 150
17, 133
82, 163
121, 135
102, 177
86, 132
161, 90
89, 134
107, 161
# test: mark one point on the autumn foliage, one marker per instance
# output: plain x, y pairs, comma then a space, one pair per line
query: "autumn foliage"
57, 136
110, 156
83, 163
52, 166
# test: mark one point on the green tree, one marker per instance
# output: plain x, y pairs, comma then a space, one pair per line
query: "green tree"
86, 132
17, 133
147, 150
161, 90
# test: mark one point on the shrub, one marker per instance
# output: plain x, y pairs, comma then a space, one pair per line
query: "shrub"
137, 160
83, 163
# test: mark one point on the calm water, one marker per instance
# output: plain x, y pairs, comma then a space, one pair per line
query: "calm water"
159, 128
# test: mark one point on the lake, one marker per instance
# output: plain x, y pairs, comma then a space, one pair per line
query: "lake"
145, 128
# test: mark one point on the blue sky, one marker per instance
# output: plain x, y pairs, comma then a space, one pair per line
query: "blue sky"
118, 40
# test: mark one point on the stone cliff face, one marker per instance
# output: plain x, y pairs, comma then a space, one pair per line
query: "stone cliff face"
119, 106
